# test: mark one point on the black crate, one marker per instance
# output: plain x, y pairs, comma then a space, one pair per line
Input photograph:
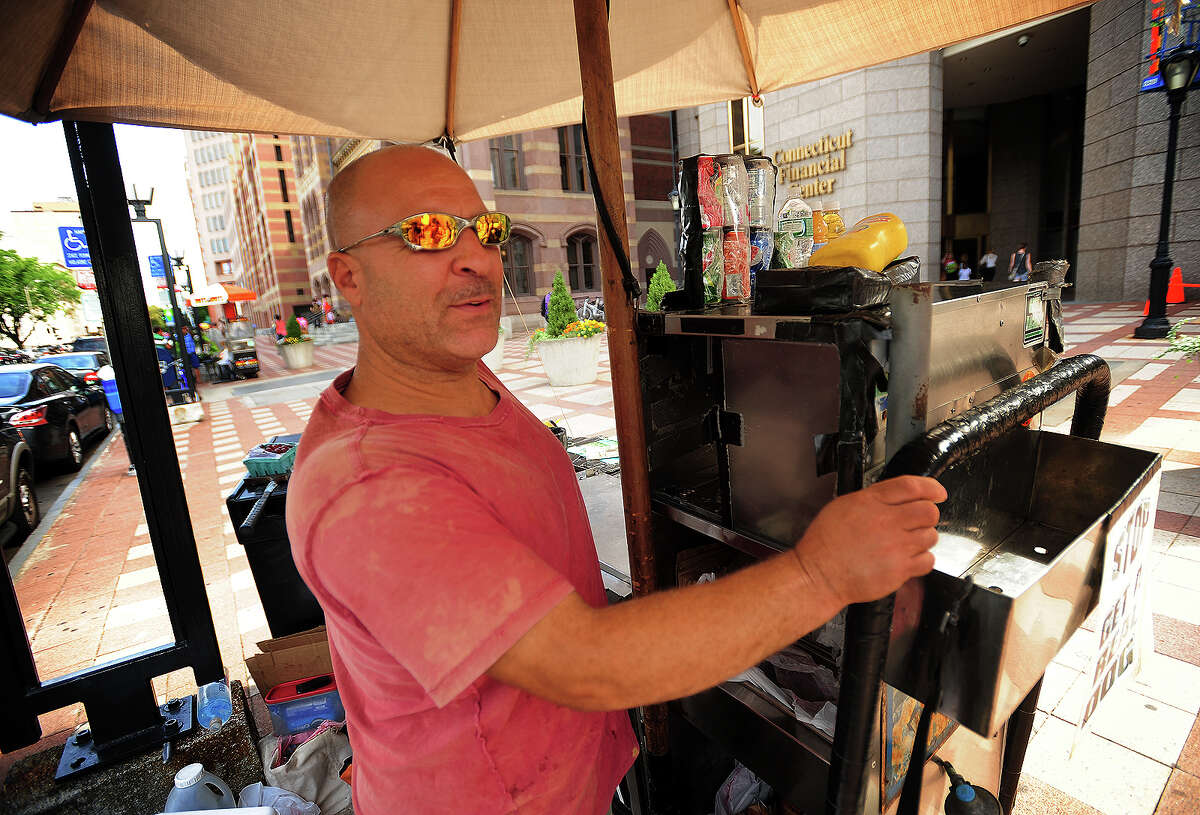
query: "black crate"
289, 605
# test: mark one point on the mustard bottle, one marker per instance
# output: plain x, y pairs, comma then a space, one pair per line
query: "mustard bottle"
872, 243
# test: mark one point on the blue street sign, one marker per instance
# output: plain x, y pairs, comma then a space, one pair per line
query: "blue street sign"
74, 246
158, 266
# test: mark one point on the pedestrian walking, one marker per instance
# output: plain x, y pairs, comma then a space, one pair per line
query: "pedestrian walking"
964, 268
1020, 265
987, 265
949, 265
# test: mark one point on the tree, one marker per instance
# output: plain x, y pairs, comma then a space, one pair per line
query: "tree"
661, 282
562, 307
158, 320
31, 292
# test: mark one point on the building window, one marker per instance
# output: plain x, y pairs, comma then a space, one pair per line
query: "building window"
518, 264
278, 153
283, 186
745, 128
581, 262
291, 229
506, 163
572, 160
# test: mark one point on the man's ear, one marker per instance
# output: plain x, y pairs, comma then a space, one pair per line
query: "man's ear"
346, 273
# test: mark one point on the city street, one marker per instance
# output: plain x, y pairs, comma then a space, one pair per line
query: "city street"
89, 590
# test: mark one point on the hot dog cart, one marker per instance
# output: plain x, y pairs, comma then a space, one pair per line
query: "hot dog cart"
755, 421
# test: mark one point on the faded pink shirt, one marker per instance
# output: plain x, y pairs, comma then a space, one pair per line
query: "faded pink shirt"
433, 544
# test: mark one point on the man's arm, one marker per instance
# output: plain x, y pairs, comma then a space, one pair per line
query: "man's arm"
671, 644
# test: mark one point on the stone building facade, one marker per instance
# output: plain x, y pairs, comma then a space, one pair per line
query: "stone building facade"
1035, 135
1124, 159
893, 161
209, 157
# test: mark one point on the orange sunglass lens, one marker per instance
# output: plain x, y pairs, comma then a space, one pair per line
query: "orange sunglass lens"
430, 231
492, 228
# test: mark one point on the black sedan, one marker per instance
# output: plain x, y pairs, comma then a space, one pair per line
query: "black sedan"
18, 501
83, 364
54, 410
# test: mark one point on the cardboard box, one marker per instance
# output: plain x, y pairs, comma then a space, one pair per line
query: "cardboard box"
295, 656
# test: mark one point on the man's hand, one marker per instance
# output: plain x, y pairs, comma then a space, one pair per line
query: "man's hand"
865, 545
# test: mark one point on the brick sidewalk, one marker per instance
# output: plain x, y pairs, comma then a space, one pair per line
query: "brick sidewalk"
90, 591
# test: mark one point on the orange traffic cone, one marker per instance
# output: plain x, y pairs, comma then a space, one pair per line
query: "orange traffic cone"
1174, 291
1175, 287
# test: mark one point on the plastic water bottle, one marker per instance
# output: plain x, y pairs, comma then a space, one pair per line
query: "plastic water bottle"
213, 704
197, 789
793, 234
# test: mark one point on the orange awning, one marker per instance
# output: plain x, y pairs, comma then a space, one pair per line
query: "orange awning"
237, 294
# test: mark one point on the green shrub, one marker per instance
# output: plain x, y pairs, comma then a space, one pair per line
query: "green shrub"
293, 328
661, 282
562, 308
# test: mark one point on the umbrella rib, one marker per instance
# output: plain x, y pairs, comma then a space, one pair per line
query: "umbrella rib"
452, 66
744, 46
44, 94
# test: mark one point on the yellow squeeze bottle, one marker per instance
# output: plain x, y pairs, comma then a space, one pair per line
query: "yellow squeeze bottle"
872, 243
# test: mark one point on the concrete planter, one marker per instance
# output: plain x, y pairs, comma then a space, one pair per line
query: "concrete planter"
297, 355
494, 359
571, 361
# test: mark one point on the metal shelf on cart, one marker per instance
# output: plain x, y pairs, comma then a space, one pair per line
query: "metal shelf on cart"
790, 756
749, 544
740, 322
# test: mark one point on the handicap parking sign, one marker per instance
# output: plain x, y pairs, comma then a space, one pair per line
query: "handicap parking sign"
75, 248
158, 266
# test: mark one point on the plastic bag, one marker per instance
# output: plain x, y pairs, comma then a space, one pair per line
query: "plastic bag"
741, 789
281, 800
314, 770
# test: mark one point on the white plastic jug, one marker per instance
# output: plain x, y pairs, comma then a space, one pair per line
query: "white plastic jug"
197, 789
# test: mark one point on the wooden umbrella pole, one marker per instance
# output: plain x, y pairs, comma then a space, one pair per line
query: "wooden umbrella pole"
600, 111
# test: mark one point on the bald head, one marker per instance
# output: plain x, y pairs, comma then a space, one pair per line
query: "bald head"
361, 195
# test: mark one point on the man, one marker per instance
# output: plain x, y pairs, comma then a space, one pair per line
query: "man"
1019, 265
280, 327
441, 528
988, 262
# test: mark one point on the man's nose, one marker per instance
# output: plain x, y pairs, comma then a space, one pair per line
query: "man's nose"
475, 258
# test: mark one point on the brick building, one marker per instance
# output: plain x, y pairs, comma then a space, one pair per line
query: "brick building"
540, 179
313, 159
270, 247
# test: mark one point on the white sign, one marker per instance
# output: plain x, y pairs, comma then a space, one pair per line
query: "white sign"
1125, 626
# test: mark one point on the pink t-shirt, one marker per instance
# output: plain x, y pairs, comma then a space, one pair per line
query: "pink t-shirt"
433, 544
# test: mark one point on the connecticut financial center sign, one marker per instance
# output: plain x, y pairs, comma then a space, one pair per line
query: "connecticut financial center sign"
811, 164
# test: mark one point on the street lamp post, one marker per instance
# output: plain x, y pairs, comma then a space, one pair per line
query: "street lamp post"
1178, 71
139, 208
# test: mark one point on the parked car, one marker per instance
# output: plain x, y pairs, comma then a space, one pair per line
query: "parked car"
55, 410
11, 356
84, 364
92, 342
18, 501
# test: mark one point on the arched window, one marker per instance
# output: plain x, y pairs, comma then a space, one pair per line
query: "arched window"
582, 262
518, 264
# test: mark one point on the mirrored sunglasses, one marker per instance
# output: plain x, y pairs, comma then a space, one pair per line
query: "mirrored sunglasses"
434, 231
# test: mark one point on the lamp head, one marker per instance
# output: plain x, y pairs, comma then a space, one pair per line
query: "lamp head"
1179, 69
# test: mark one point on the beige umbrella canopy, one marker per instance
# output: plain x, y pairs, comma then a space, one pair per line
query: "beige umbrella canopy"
415, 71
